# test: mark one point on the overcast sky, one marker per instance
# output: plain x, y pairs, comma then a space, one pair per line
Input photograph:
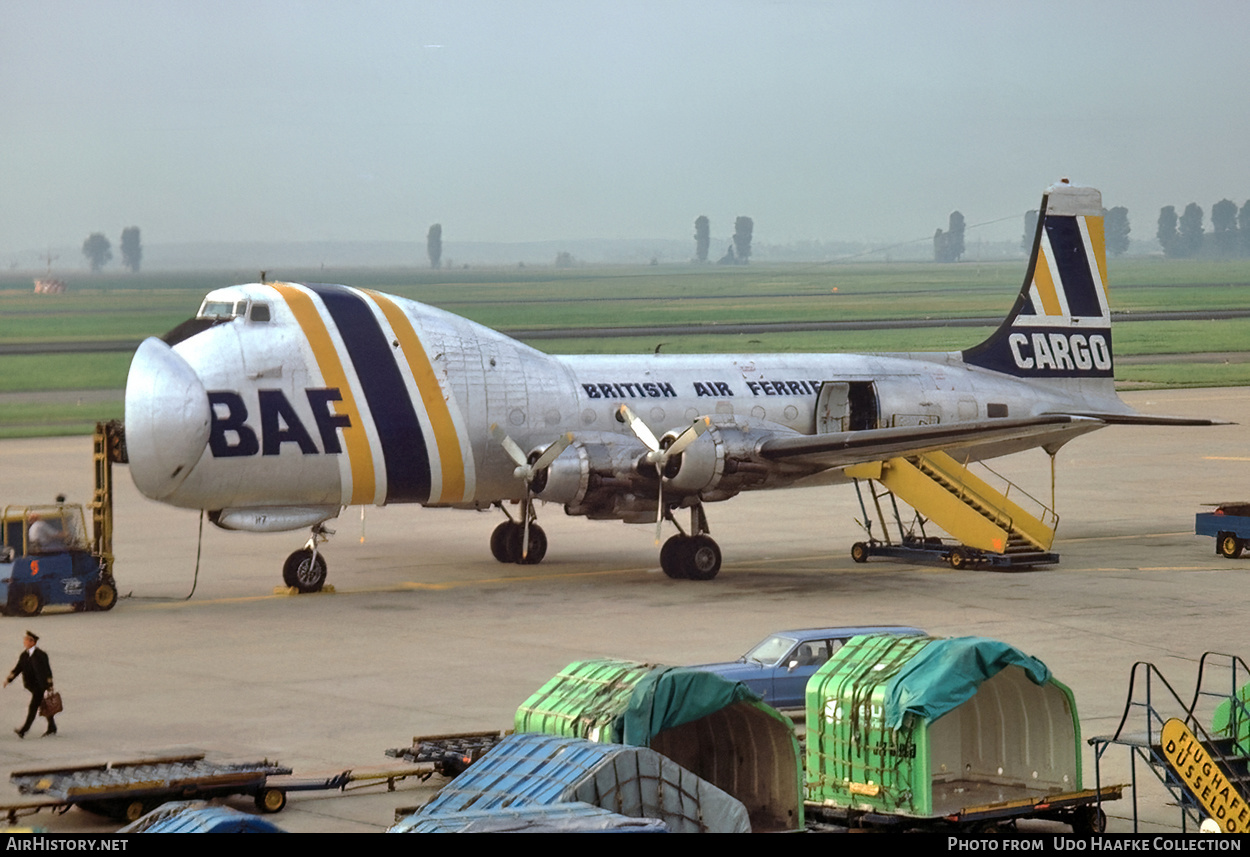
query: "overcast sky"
518, 121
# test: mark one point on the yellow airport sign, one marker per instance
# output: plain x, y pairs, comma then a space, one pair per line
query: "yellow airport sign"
1205, 779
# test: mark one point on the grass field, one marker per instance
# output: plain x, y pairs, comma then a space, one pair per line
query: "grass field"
125, 307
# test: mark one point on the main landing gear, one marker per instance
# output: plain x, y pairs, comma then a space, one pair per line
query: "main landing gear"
691, 557
305, 569
508, 542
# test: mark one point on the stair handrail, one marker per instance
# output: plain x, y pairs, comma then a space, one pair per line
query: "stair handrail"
1129, 702
1190, 719
1188, 804
1001, 517
1233, 662
1047, 512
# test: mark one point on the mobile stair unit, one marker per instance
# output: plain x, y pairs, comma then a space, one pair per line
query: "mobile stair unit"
1199, 751
989, 526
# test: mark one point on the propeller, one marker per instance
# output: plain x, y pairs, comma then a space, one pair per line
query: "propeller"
660, 453
528, 470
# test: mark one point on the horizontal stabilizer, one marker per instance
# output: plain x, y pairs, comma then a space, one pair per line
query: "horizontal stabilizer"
840, 449
1133, 419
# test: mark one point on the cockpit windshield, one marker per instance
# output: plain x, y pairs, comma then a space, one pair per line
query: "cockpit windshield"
226, 310
216, 309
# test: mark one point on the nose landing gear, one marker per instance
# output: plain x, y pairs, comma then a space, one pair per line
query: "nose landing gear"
305, 569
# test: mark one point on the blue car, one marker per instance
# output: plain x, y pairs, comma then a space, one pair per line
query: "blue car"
778, 667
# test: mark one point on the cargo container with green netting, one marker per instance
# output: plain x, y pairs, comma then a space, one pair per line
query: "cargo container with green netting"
905, 729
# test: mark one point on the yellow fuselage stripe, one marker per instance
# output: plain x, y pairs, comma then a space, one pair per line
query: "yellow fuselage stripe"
332, 374
451, 462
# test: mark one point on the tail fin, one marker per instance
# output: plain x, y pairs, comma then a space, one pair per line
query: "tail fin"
1060, 326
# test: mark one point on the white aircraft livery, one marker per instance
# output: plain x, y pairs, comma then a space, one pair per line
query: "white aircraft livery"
280, 404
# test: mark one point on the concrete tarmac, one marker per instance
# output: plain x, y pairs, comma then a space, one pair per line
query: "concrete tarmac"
425, 633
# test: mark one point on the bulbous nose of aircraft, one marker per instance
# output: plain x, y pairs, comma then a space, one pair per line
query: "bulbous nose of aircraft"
167, 419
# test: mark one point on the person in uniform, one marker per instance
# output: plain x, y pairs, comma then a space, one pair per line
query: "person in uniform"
36, 673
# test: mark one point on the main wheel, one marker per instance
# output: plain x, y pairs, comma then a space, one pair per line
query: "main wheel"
859, 552
102, 596
499, 541
703, 558
270, 799
29, 602
1230, 546
302, 572
537, 547
672, 557
1089, 820
133, 810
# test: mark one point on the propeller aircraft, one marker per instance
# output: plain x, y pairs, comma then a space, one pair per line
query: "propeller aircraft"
280, 404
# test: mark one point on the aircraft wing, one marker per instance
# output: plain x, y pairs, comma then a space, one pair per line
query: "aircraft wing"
842, 449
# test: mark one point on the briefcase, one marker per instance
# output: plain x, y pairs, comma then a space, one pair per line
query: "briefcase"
51, 704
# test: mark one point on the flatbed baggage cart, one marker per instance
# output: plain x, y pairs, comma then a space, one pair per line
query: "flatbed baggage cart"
1229, 524
1082, 811
126, 790
448, 754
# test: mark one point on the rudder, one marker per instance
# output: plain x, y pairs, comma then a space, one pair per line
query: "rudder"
1060, 326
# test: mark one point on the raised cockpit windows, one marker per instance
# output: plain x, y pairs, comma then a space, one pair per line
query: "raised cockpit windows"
216, 309
226, 310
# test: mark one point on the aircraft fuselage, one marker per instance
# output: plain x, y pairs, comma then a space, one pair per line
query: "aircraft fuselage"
389, 404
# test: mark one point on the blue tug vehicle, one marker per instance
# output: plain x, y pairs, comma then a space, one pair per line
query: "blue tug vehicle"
46, 557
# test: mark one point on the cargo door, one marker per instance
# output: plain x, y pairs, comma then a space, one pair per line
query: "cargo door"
846, 406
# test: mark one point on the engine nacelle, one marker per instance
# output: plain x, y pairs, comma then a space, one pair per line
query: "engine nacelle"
566, 479
711, 466
589, 463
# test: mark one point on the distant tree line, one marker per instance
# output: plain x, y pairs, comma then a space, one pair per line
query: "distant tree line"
739, 250
1183, 236
948, 246
99, 251
434, 245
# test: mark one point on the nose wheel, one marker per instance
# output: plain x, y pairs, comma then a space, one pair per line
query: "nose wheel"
305, 569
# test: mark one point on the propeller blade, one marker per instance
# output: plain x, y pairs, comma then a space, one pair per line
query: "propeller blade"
639, 428
659, 514
687, 437
509, 445
552, 452
525, 525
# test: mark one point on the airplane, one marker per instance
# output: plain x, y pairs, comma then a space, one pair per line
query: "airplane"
280, 404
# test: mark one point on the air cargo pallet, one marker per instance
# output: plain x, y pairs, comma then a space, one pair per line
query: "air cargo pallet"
932, 549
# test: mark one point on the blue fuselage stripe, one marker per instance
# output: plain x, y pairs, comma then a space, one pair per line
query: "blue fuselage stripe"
403, 446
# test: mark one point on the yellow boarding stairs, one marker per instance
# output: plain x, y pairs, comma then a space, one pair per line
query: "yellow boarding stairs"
986, 522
